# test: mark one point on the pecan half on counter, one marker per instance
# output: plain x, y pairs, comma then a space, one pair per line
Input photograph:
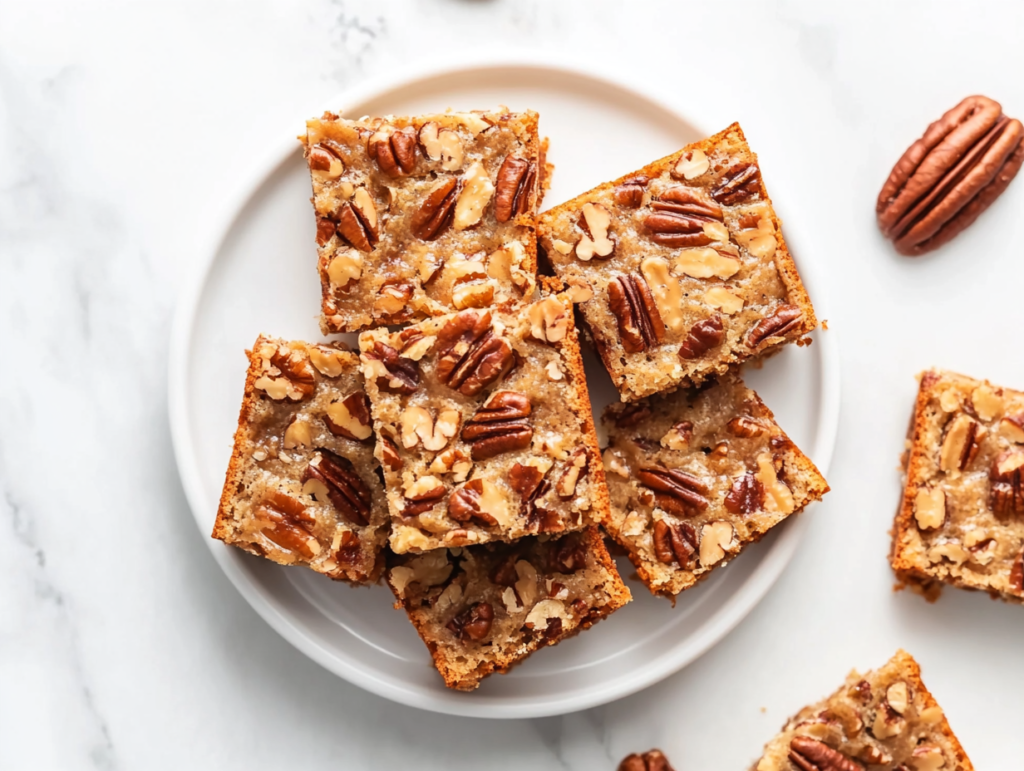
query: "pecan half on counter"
884, 719
486, 426
422, 216
484, 609
696, 477
948, 177
687, 266
302, 486
961, 517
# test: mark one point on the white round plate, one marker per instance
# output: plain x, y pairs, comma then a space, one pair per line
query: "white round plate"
259, 276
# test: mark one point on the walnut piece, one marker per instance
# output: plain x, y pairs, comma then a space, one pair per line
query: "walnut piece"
930, 508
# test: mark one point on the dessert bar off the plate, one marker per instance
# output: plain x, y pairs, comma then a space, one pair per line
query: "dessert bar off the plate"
688, 267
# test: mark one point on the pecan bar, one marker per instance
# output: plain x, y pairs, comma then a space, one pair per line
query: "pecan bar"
695, 476
485, 426
961, 519
419, 217
483, 609
303, 485
689, 270
885, 720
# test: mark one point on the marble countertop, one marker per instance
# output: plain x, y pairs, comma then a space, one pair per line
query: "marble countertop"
123, 646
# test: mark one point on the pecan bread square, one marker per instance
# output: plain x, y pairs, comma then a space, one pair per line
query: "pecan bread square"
483, 609
689, 270
419, 217
961, 518
885, 720
303, 486
695, 476
485, 428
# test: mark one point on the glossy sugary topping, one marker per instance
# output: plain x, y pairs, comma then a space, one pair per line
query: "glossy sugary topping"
962, 517
484, 608
418, 217
688, 267
485, 426
303, 487
695, 476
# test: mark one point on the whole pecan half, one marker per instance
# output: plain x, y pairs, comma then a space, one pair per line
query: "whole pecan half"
702, 337
464, 504
395, 153
514, 188
782, 321
1007, 494
404, 373
652, 760
346, 491
640, 324
740, 183
499, 426
949, 176
357, 422
470, 355
678, 216
674, 490
436, 212
746, 495
674, 541
809, 754
473, 623
287, 523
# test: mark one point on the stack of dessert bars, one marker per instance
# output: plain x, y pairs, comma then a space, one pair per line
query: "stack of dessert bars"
455, 454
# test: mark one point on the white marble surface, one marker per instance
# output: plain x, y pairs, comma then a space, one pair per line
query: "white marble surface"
121, 644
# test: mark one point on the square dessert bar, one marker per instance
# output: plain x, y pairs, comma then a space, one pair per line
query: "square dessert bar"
303, 485
689, 270
885, 720
483, 609
695, 476
419, 217
961, 519
485, 426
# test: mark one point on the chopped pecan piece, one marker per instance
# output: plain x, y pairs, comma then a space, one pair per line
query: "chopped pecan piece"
289, 524
474, 623
500, 425
324, 230
346, 491
632, 415
570, 555
325, 162
350, 417
516, 180
740, 184
436, 212
295, 377
526, 480
471, 357
395, 152
746, 495
746, 427
464, 504
781, 322
809, 754
418, 501
1017, 573
640, 324
960, 444
597, 240
404, 374
675, 491
631, 192
575, 469
702, 337
1007, 494
674, 541
389, 454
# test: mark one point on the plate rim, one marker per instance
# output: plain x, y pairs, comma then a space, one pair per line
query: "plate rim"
220, 222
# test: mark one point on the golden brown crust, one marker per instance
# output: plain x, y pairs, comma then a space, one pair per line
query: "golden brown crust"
658, 362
